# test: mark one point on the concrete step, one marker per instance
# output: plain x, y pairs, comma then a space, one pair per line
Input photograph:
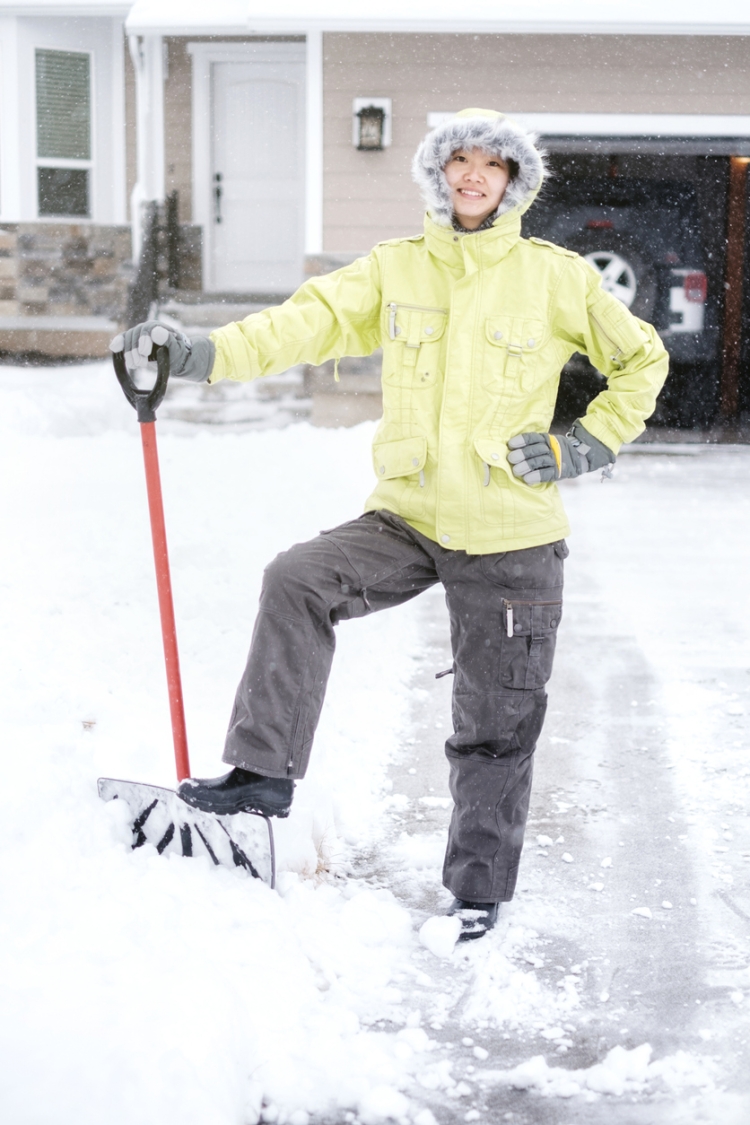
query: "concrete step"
64, 337
201, 313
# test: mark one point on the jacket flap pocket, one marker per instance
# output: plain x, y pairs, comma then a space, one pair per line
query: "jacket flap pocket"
493, 452
517, 333
413, 325
399, 458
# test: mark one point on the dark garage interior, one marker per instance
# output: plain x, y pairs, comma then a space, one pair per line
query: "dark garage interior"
667, 220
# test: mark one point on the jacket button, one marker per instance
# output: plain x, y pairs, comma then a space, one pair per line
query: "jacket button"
382, 469
445, 538
498, 335
455, 238
495, 456
415, 461
530, 343
428, 331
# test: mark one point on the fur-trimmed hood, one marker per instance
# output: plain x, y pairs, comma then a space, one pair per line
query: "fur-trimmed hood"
491, 131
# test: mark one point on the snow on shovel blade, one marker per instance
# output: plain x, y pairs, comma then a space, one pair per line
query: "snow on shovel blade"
162, 819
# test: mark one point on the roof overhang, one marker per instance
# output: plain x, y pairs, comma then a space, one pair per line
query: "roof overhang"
570, 17
66, 8
726, 133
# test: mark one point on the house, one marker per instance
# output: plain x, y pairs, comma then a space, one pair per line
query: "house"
282, 136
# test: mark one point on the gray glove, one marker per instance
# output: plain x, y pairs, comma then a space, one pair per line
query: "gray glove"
544, 457
188, 359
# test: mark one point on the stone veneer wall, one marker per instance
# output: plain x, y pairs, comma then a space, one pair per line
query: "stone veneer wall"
64, 269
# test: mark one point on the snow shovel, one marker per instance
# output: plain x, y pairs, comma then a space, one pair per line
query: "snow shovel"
160, 817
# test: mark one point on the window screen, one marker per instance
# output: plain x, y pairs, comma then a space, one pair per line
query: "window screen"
63, 191
63, 105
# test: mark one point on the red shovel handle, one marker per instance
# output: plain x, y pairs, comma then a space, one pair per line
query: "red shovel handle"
166, 605
145, 409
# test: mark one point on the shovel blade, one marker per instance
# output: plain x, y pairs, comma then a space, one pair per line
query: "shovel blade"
159, 817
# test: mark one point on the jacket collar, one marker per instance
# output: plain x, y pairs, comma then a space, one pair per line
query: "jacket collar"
471, 252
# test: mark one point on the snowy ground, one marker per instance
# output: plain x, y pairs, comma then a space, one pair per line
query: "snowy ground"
143, 990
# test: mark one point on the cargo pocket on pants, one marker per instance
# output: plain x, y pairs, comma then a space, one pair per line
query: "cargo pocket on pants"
529, 642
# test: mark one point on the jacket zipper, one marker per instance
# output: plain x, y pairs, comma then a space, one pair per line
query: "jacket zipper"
618, 350
509, 611
393, 308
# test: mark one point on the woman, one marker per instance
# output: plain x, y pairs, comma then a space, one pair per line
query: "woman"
475, 325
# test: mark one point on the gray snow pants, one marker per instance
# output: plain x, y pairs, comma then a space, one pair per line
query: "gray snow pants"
504, 611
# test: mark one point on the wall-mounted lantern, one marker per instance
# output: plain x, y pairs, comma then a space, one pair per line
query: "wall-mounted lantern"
371, 124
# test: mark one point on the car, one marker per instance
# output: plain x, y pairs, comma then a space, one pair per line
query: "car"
645, 239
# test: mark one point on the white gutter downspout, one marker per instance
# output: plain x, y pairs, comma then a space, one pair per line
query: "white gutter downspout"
11, 160
314, 142
147, 53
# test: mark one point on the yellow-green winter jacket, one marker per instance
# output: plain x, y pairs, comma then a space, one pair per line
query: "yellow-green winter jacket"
475, 329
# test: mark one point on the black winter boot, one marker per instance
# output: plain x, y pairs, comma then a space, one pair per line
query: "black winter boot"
239, 791
476, 917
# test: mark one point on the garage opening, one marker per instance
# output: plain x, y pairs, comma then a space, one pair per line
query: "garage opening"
665, 223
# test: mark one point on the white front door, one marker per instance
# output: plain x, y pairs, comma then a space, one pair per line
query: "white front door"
256, 242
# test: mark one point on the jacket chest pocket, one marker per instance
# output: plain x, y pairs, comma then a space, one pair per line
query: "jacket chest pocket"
514, 346
415, 335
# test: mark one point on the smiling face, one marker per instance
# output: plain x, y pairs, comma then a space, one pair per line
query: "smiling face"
477, 181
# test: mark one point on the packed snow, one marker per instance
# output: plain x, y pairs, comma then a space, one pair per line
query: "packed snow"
141, 989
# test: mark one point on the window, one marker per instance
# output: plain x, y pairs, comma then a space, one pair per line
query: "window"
63, 133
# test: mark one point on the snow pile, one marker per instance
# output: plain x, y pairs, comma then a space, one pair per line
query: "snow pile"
620, 1072
513, 997
141, 988
440, 934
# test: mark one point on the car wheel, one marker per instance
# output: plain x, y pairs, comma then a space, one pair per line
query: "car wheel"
623, 268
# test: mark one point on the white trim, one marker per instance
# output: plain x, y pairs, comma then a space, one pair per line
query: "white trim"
118, 158
203, 56
314, 142
154, 173
62, 162
276, 26
624, 124
386, 104
10, 165
433, 27
70, 9
201, 146
88, 165
148, 60
576, 17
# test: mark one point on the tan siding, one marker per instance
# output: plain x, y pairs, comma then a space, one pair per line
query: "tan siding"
178, 143
531, 73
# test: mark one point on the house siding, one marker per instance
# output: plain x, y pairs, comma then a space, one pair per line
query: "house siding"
178, 140
369, 196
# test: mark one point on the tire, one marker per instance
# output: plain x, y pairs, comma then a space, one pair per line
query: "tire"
625, 270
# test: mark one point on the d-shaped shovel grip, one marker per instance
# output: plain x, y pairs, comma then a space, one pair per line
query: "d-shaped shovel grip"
146, 401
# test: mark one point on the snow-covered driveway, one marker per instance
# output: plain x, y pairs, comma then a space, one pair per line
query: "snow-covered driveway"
149, 991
